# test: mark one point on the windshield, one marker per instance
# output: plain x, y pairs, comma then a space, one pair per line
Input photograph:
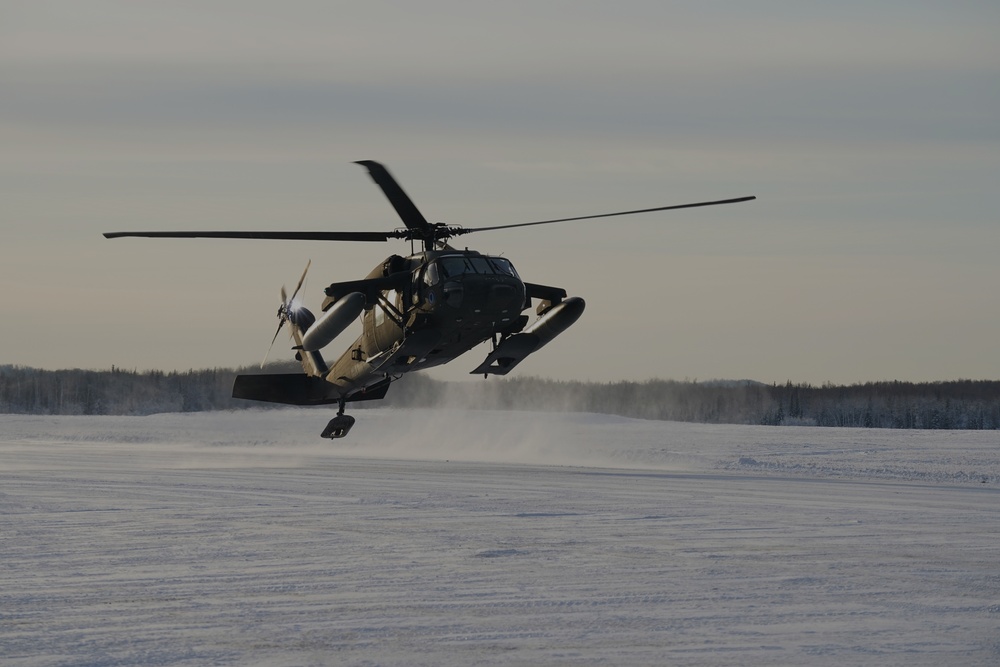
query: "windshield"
503, 266
458, 265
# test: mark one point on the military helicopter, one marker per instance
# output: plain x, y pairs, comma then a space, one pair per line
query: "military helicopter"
417, 312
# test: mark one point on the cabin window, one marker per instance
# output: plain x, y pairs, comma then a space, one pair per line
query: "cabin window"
393, 297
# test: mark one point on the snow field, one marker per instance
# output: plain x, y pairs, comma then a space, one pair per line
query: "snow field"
456, 538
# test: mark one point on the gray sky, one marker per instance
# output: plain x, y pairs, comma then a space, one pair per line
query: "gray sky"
870, 131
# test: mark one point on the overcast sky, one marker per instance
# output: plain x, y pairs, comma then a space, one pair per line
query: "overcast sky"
869, 131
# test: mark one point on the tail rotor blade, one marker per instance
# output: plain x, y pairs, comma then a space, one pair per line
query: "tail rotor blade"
281, 323
297, 287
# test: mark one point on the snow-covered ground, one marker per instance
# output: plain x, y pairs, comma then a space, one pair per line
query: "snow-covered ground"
480, 538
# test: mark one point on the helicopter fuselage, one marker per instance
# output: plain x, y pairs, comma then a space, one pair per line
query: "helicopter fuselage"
427, 309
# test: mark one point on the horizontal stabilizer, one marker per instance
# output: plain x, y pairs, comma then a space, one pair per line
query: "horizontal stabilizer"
299, 389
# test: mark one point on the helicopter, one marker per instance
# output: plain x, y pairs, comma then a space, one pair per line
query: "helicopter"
417, 312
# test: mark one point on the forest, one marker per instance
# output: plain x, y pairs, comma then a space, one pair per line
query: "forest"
958, 404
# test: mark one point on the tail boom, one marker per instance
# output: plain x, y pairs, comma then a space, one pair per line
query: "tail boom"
298, 389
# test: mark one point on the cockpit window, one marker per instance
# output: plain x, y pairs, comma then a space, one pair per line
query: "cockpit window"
431, 275
458, 265
503, 267
453, 266
480, 265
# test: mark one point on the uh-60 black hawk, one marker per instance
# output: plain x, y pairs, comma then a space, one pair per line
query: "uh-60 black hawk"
417, 312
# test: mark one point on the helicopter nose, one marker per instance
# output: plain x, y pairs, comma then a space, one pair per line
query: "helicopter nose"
501, 292
502, 296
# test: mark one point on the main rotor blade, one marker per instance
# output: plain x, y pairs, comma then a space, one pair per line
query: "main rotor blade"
284, 236
407, 210
469, 230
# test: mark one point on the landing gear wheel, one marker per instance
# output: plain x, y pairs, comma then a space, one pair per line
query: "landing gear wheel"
338, 427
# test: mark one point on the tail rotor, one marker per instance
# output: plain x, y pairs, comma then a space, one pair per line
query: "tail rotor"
288, 311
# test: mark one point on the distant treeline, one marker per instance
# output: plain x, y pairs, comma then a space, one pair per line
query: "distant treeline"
114, 392
960, 404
